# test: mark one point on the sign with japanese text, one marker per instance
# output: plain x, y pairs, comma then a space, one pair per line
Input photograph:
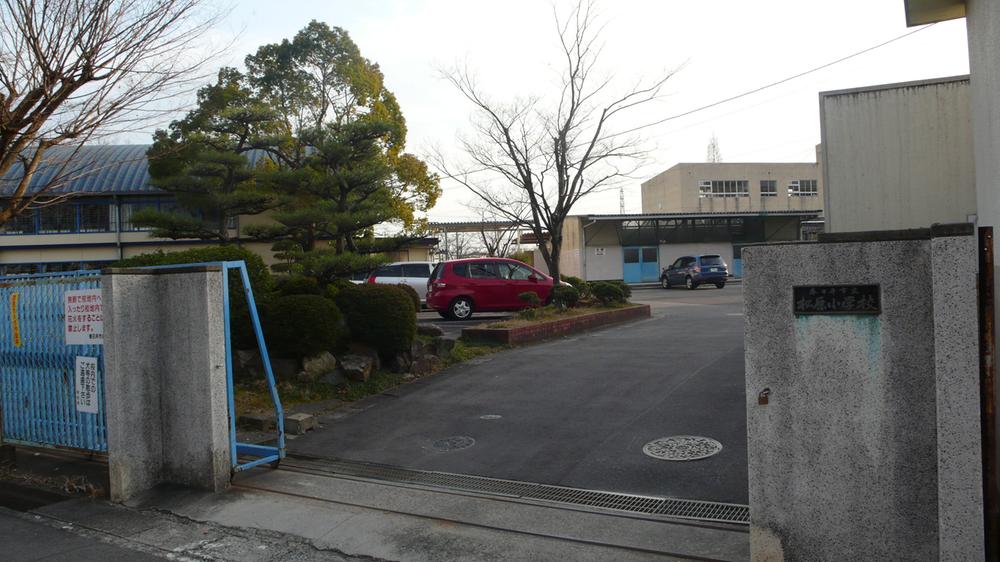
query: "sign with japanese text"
15, 323
84, 324
86, 385
837, 299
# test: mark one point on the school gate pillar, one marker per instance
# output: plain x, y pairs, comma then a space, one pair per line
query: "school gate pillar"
165, 379
863, 414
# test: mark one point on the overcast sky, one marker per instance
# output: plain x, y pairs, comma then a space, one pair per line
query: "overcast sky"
723, 47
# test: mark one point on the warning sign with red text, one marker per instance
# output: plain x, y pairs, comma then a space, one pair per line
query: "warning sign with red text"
84, 317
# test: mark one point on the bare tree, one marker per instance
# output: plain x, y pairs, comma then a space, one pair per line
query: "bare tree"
550, 157
75, 71
498, 233
713, 154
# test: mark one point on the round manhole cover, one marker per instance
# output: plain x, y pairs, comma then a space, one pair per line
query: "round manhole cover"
682, 448
490, 417
454, 443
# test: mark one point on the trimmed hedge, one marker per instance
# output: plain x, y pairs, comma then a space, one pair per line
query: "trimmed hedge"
412, 293
582, 287
380, 316
299, 326
298, 285
565, 297
624, 287
607, 292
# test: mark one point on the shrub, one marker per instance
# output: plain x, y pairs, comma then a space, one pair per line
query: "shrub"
565, 297
626, 289
381, 316
607, 292
298, 285
299, 326
531, 298
582, 287
412, 293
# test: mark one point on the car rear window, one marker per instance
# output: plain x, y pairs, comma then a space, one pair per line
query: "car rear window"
460, 269
438, 271
389, 271
712, 260
415, 270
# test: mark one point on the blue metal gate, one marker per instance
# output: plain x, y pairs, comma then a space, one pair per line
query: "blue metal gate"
51, 391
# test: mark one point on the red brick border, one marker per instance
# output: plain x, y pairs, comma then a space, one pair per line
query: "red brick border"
560, 327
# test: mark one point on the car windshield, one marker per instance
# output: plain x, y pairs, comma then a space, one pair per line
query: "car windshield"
712, 260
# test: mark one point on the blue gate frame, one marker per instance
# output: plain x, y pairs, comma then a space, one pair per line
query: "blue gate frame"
38, 369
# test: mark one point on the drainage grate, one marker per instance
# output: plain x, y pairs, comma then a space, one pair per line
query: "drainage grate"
651, 505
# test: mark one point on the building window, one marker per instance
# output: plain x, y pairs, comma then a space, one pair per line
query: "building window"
96, 217
724, 188
24, 223
803, 188
129, 209
768, 188
57, 219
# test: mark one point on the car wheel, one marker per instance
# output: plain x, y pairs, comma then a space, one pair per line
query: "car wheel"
665, 282
444, 315
460, 308
720, 285
689, 283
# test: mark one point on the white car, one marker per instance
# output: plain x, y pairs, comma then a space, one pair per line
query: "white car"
412, 273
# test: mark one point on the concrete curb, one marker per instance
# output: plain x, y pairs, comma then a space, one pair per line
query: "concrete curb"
561, 327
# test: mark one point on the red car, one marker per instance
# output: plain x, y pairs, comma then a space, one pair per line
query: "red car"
457, 288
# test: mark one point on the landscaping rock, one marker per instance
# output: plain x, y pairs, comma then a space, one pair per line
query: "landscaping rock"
443, 345
248, 364
361, 349
335, 378
256, 422
357, 367
318, 366
401, 363
285, 369
426, 364
298, 424
432, 330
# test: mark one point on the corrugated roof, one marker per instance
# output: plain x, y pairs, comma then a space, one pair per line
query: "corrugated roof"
104, 170
720, 214
93, 170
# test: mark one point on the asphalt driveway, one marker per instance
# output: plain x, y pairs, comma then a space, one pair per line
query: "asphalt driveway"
576, 411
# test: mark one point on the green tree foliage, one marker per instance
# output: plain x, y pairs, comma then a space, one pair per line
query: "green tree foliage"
381, 316
205, 160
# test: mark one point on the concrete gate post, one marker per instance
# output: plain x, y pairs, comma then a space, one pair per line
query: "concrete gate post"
165, 379
863, 424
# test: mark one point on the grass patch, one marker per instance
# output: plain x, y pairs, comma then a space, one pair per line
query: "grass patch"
376, 384
546, 314
466, 350
255, 397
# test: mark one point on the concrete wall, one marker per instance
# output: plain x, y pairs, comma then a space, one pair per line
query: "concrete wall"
868, 447
676, 190
898, 156
165, 379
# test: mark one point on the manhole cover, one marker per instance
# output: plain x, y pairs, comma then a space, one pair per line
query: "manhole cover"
682, 448
490, 417
454, 443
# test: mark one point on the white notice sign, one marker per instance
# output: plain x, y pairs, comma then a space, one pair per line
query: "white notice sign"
86, 385
84, 317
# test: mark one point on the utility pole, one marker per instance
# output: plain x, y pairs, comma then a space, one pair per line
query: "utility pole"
621, 200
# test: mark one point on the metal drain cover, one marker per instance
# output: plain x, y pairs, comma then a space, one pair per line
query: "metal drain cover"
682, 448
454, 443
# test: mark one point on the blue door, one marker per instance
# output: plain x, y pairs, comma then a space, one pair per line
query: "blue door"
641, 264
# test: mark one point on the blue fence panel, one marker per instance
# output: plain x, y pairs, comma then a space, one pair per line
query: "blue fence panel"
38, 394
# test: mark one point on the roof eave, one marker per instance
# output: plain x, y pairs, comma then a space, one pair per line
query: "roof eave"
923, 12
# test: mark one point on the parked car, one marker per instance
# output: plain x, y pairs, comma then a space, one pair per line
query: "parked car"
458, 288
412, 273
692, 271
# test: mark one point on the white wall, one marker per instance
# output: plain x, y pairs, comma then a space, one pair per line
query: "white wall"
606, 267
898, 156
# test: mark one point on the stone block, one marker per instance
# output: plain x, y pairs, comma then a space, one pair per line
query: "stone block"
401, 363
432, 330
285, 369
317, 367
357, 367
298, 424
443, 345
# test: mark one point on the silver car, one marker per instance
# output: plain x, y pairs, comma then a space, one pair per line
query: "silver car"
412, 273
